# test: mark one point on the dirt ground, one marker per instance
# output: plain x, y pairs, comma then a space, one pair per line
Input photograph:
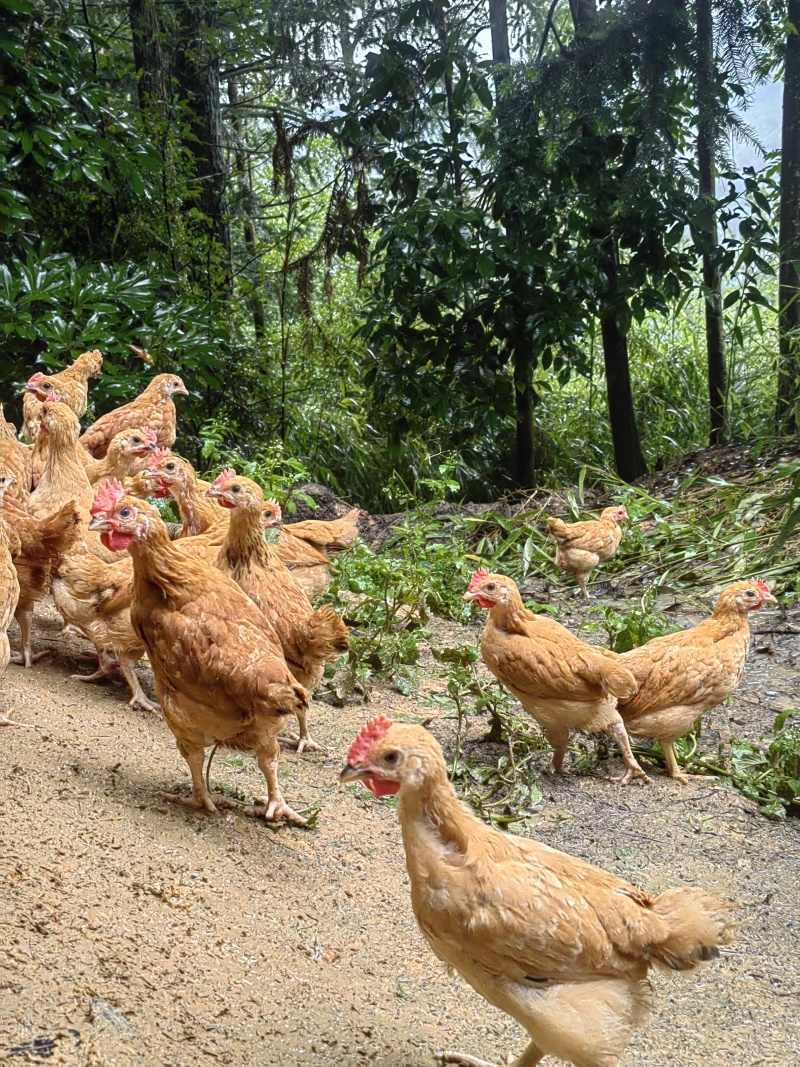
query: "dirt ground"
133, 932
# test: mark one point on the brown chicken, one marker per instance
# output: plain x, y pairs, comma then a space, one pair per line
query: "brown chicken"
563, 947
681, 676
309, 638
42, 545
220, 673
15, 460
126, 457
562, 682
582, 545
72, 385
171, 475
9, 598
64, 476
93, 597
154, 408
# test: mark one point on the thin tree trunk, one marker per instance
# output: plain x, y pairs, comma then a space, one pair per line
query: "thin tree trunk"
624, 431
787, 415
628, 456
248, 203
148, 56
707, 172
197, 75
522, 355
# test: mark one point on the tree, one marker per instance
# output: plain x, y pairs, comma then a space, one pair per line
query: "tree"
705, 104
789, 237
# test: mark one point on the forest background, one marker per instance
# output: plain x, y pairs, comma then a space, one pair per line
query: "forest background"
476, 246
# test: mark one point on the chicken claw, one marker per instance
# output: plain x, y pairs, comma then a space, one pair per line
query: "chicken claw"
197, 802
302, 744
632, 774
269, 810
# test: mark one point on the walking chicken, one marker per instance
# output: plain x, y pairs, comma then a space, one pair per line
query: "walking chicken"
582, 545
561, 681
563, 947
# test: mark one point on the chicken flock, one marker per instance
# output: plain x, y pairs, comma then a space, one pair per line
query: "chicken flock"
221, 605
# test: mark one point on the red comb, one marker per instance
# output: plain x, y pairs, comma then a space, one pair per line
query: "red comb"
149, 435
156, 458
374, 730
224, 477
273, 506
107, 497
35, 378
476, 579
761, 585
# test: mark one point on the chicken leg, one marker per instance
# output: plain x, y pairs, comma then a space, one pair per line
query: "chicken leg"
531, 1056
617, 732
671, 760
200, 800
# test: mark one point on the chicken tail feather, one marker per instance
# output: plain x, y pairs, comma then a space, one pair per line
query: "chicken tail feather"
327, 635
557, 528
698, 923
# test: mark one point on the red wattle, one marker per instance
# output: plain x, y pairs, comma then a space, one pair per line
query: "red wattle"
379, 787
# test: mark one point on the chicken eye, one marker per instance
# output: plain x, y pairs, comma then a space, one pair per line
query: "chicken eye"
750, 593
170, 466
390, 757
136, 440
125, 513
235, 488
46, 385
490, 588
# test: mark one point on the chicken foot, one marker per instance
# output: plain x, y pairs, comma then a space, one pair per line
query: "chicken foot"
138, 698
200, 800
273, 807
617, 732
531, 1056
671, 760
305, 742
26, 658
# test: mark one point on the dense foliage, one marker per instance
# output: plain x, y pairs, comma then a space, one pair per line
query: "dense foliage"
430, 233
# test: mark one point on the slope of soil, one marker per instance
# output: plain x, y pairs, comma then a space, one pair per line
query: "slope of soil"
135, 932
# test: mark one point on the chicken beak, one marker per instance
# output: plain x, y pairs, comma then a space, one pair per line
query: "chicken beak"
352, 774
768, 598
469, 596
182, 391
215, 494
99, 523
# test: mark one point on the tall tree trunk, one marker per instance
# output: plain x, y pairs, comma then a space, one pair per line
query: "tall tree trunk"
148, 55
522, 355
707, 172
197, 75
248, 204
787, 415
628, 456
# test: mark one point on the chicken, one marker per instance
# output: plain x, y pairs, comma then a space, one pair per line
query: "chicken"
72, 385
582, 545
220, 673
126, 457
154, 408
64, 476
15, 460
9, 598
563, 947
171, 475
680, 676
94, 598
42, 545
309, 638
307, 562
329, 536
562, 682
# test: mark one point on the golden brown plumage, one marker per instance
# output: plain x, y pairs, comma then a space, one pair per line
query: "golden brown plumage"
15, 460
329, 536
218, 665
9, 593
64, 476
39, 546
582, 545
126, 457
682, 675
309, 638
72, 385
171, 475
561, 681
561, 946
154, 408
